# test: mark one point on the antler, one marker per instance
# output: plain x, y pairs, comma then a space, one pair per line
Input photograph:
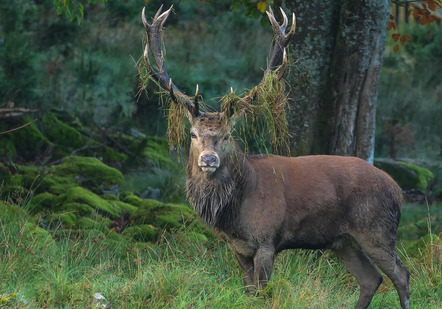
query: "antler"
154, 44
278, 59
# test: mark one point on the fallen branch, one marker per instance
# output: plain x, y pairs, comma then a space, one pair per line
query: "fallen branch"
18, 128
13, 112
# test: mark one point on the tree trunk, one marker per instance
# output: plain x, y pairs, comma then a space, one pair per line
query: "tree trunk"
337, 55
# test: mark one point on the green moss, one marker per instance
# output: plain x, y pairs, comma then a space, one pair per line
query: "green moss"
110, 197
103, 220
173, 216
90, 172
162, 215
32, 178
88, 224
61, 187
424, 175
69, 220
144, 232
31, 233
408, 176
61, 134
46, 200
125, 207
157, 150
7, 147
84, 196
11, 213
110, 155
29, 142
79, 208
132, 199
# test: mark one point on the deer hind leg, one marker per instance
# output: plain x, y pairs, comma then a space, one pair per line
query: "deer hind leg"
385, 256
360, 266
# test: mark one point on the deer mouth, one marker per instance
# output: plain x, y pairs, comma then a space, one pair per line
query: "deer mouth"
208, 169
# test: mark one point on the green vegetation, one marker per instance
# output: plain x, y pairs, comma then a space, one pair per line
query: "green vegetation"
408, 114
65, 268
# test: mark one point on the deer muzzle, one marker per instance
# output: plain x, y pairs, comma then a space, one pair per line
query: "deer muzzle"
208, 161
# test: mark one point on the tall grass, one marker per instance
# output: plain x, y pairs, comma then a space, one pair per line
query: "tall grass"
62, 269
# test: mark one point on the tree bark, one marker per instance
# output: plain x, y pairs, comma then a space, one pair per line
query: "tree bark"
337, 54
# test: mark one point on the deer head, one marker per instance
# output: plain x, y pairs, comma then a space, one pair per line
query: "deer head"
210, 131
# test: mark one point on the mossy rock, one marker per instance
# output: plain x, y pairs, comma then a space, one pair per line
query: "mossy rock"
11, 213
89, 172
111, 156
132, 199
81, 209
408, 176
47, 201
62, 135
90, 224
25, 145
162, 215
424, 175
157, 150
83, 196
125, 207
110, 197
32, 178
69, 220
143, 232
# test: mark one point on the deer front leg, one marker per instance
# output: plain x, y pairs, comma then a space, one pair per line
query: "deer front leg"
263, 265
247, 268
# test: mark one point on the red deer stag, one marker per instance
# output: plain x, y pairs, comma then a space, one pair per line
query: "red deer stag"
263, 204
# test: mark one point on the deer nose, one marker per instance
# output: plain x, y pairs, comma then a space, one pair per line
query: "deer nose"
208, 160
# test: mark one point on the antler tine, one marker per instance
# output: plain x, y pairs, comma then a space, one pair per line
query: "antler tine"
285, 22
159, 73
196, 108
158, 12
283, 64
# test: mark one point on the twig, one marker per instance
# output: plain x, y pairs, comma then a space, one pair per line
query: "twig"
20, 127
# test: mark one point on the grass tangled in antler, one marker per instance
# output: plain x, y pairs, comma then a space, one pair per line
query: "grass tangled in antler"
264, 110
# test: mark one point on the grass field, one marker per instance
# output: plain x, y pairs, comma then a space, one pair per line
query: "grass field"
55, 269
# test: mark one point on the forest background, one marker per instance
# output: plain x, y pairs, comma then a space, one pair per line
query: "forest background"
91, 167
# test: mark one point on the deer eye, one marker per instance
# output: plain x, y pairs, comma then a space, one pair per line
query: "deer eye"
192, 135
226, 137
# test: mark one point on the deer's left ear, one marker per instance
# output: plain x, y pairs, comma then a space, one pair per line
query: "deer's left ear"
234, 118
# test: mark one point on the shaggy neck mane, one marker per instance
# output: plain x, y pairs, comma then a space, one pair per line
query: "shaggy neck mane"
216, 196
